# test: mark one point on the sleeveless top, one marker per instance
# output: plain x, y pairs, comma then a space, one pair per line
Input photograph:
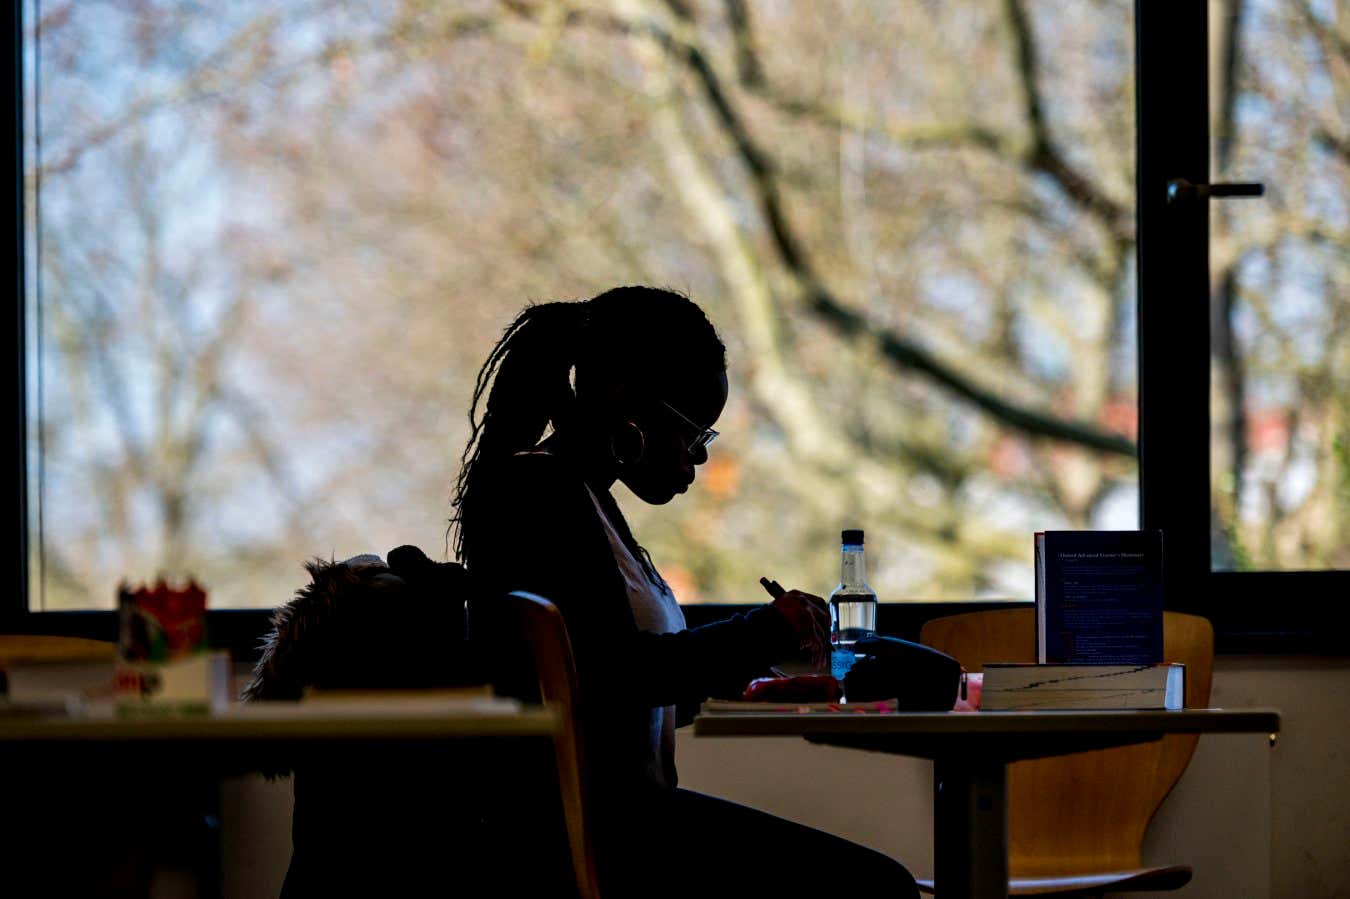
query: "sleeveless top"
656, 610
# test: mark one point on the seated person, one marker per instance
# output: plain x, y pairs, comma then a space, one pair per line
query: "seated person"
630, 384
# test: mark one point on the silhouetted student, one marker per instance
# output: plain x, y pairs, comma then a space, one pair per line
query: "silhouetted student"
631, 383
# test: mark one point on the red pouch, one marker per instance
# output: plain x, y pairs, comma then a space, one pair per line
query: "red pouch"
802, 688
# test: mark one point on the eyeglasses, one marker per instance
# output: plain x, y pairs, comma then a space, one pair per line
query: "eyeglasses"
705, 435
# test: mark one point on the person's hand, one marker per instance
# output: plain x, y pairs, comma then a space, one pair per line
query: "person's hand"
810, 620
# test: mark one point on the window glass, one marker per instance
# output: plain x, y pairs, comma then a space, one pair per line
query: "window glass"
271, 244
1280, 266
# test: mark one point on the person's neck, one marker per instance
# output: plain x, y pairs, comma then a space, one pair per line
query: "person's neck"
594, 463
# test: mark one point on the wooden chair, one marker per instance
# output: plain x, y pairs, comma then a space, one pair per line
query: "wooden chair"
541, 625
1076, 823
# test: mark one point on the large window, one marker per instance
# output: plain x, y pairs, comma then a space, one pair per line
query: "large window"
270, 243
1280, 335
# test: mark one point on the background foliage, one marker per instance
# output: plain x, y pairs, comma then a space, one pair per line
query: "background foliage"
272, 244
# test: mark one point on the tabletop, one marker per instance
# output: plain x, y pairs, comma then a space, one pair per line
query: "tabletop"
289, 721
269, 737
1010, 735
1002, 722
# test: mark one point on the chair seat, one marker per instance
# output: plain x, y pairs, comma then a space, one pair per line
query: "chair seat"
1170, 877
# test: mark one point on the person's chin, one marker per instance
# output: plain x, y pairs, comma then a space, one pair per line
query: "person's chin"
661, 497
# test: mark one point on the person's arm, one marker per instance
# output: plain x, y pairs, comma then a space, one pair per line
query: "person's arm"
545, 538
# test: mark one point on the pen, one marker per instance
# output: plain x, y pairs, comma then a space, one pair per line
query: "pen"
775, 589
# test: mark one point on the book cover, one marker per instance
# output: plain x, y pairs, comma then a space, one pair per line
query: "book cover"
1008, 687
1099, 597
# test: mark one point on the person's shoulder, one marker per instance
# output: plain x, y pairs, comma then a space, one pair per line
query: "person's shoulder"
539, 501
540, 475
536, 464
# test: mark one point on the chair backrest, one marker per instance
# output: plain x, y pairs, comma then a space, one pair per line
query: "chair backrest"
541, 626
1082, 813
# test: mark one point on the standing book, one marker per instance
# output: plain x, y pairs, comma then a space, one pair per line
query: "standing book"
1099, 597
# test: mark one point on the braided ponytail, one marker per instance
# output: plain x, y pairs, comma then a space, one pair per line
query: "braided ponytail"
529, 372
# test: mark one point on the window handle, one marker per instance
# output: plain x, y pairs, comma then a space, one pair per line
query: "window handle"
1179, 189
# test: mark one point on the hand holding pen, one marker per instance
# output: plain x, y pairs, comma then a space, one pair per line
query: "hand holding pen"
810, 619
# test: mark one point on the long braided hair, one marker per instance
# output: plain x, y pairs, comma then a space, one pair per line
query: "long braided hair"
553, 357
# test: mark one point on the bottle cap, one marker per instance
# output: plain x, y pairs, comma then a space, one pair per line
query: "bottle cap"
853, 536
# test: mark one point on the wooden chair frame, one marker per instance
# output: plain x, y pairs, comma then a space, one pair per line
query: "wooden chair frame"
1076, 823
541, 625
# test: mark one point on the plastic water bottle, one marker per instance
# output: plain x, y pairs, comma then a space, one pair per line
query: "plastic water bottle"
853, 605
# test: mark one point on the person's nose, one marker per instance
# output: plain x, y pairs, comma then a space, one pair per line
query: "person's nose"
699, 455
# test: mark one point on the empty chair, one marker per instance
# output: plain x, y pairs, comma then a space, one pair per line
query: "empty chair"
1076, 823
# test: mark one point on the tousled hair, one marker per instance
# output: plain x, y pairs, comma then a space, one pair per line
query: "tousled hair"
642, 336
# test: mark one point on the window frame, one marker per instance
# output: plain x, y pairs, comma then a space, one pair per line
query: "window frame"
1172, 99
12, 331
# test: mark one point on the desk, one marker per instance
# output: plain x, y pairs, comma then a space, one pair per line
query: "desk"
89, 782
271, 735
971, 752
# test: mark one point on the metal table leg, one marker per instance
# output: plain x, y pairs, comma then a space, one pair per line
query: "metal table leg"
970, 828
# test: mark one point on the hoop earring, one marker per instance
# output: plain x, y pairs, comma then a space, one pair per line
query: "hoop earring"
642, 447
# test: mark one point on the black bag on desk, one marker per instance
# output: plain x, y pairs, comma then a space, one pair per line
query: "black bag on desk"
919, 677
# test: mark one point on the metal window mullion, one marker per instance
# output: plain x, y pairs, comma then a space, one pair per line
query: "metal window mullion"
1172, 141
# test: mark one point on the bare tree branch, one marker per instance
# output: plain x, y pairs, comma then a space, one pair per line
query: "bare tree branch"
1224, 344
213, 79
900, 351
748, 70
1040, 155
1044, 154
